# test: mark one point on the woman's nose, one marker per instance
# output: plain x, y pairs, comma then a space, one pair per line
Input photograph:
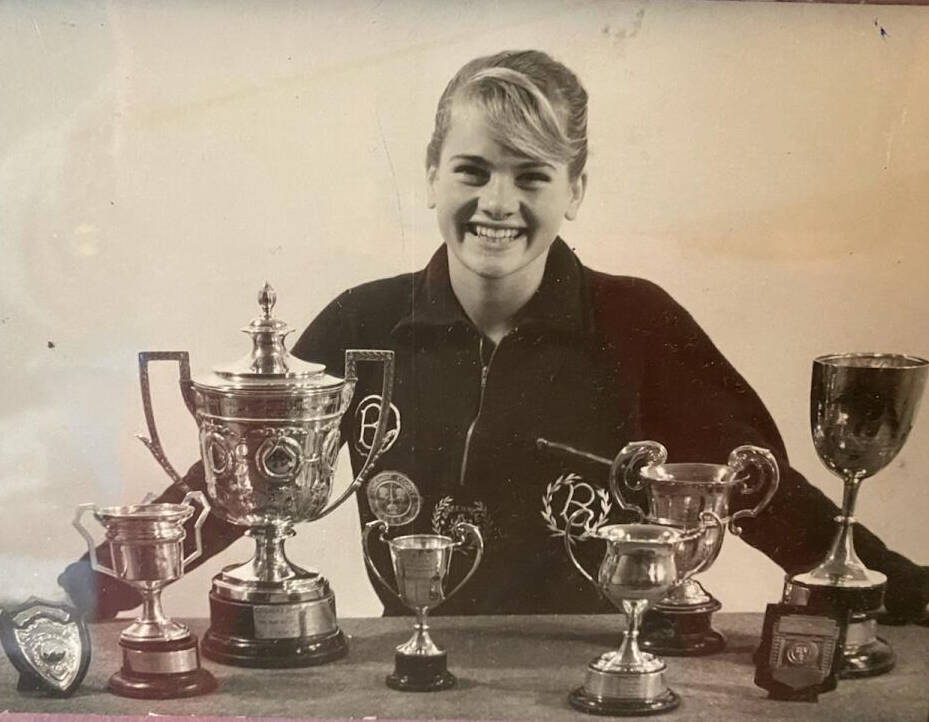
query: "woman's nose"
499, 198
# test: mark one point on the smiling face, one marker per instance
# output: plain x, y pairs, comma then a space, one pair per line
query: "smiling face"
498, 210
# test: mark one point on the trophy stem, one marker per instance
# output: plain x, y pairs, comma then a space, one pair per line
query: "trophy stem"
421, 642
630, 654
270, 563
152, 610
842, 565
153, 625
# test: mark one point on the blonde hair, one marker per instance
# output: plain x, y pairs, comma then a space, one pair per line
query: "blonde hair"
533, 105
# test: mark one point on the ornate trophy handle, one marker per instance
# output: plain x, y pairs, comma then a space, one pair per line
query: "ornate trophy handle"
352, 357
747, 457
628, 462
200, 497
91, 545
382, 526
707, 518
460, 532
153, 443
568, 541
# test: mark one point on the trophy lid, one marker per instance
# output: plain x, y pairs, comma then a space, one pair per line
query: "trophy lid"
269, 364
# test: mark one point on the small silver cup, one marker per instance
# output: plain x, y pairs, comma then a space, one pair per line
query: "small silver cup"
641, 563
146, 543
421, 563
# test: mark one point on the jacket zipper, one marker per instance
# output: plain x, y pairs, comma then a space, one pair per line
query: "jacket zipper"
485, 371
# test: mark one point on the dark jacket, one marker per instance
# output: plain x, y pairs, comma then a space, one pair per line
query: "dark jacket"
595, 361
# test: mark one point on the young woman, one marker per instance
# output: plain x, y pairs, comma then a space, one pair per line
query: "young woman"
505, 337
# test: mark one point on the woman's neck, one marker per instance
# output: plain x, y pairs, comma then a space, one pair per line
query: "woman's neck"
492, 304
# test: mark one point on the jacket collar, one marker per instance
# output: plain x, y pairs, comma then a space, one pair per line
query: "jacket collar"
560, 303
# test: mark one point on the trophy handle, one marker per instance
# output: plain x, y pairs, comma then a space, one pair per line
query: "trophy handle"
352, 357
628, 462
153, 443
91, 545
744, 458
200, 497
568, 541
382, 526
459, 532
707, 518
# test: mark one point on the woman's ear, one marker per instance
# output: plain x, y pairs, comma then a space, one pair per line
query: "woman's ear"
578, 188
430, 186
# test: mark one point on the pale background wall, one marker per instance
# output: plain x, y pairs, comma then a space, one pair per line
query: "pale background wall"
766, 163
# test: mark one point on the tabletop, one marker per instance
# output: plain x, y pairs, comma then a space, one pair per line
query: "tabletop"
508, 668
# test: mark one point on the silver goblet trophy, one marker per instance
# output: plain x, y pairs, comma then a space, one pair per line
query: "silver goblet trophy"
641, 564
677, 495
146, 543
269, 440
421, 563
862, 407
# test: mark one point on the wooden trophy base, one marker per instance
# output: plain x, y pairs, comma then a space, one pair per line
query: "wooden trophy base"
419, 673
264, 635
864, 654
681, 631
161, 670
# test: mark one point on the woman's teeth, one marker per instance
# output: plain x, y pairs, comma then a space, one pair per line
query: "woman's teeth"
497, 234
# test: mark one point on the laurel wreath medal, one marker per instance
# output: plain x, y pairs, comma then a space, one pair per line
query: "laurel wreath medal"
590, 526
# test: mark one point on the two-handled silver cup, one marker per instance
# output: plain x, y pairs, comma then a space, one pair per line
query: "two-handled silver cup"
677, 494
641, 564
421, 563
269, 429
146, 544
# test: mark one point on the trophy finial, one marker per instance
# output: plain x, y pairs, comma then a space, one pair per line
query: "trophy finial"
266, 299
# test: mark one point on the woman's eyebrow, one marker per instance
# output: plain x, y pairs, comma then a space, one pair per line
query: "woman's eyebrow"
522, 165
470, 159
535, 164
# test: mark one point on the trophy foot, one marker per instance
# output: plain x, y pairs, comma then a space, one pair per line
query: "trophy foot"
285, 634
864, 654
161, 670
274, 653
418, 673
682, 631
581, 700
623, 693
867, 660
188, 684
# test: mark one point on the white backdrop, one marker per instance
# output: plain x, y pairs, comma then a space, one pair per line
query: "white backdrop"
765, 163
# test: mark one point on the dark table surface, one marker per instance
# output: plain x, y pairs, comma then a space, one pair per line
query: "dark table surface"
508, 668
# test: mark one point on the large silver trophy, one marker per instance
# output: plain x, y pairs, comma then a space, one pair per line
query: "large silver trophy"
677, 495
641, 564
269, 439
146, 543
862, 407
421, 563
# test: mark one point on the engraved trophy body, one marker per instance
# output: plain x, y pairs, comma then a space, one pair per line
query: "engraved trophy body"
160, 656
641, 564
420, 563
862, 407
677, 495
269, 440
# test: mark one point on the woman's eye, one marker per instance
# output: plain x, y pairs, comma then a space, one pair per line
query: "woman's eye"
533, 180
471, 173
